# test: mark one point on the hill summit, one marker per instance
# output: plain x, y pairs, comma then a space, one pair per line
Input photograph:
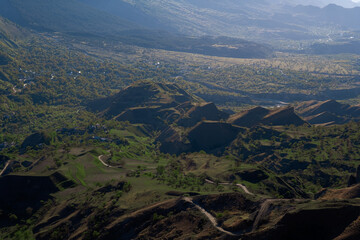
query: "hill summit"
260, 115
145, 94
186, 123
155, 104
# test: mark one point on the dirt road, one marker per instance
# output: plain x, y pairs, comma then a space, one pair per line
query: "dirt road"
211, 218
264, 209
243, 187
104, 163
5, 168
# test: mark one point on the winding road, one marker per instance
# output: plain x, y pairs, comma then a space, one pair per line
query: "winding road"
211, 218
5, 168
243, 187
104, 163
264, 209
262, 212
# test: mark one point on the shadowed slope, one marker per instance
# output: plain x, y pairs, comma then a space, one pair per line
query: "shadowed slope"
259, 115
328, 112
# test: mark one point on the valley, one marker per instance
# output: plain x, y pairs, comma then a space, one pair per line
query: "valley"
178, 120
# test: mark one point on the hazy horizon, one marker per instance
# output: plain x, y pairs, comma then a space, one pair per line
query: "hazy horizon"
323, 3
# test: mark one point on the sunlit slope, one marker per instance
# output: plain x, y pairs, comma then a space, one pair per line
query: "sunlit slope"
62, 16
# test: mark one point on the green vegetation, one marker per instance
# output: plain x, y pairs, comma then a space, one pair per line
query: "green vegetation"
104, 170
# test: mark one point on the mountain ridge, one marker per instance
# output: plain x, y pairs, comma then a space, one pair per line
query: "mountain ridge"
61, 16
328, 112
281, 19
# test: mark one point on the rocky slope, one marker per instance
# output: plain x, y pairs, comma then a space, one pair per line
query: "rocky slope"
202, 111
22, 193
328, 112
146, 102
210, 136
249, 219
259, 115
186, 123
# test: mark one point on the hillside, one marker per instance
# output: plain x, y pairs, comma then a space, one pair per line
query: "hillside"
249, 118
116, 125
328, 112
28, 191
283, 116
129, 11
78, 20
143, 93
146, 102
229, 18
346, 17
210, 136
186, 123
65, 16
121, 175
259, 115
342, 46
157, 104
12, 31
168, 25
199, 112
343, 193
260, 20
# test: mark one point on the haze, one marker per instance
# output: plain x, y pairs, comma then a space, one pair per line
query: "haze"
179, 119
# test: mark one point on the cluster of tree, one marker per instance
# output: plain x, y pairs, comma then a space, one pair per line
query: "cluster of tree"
329, 153
174, 176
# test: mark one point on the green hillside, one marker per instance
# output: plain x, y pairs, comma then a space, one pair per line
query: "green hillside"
111, 132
